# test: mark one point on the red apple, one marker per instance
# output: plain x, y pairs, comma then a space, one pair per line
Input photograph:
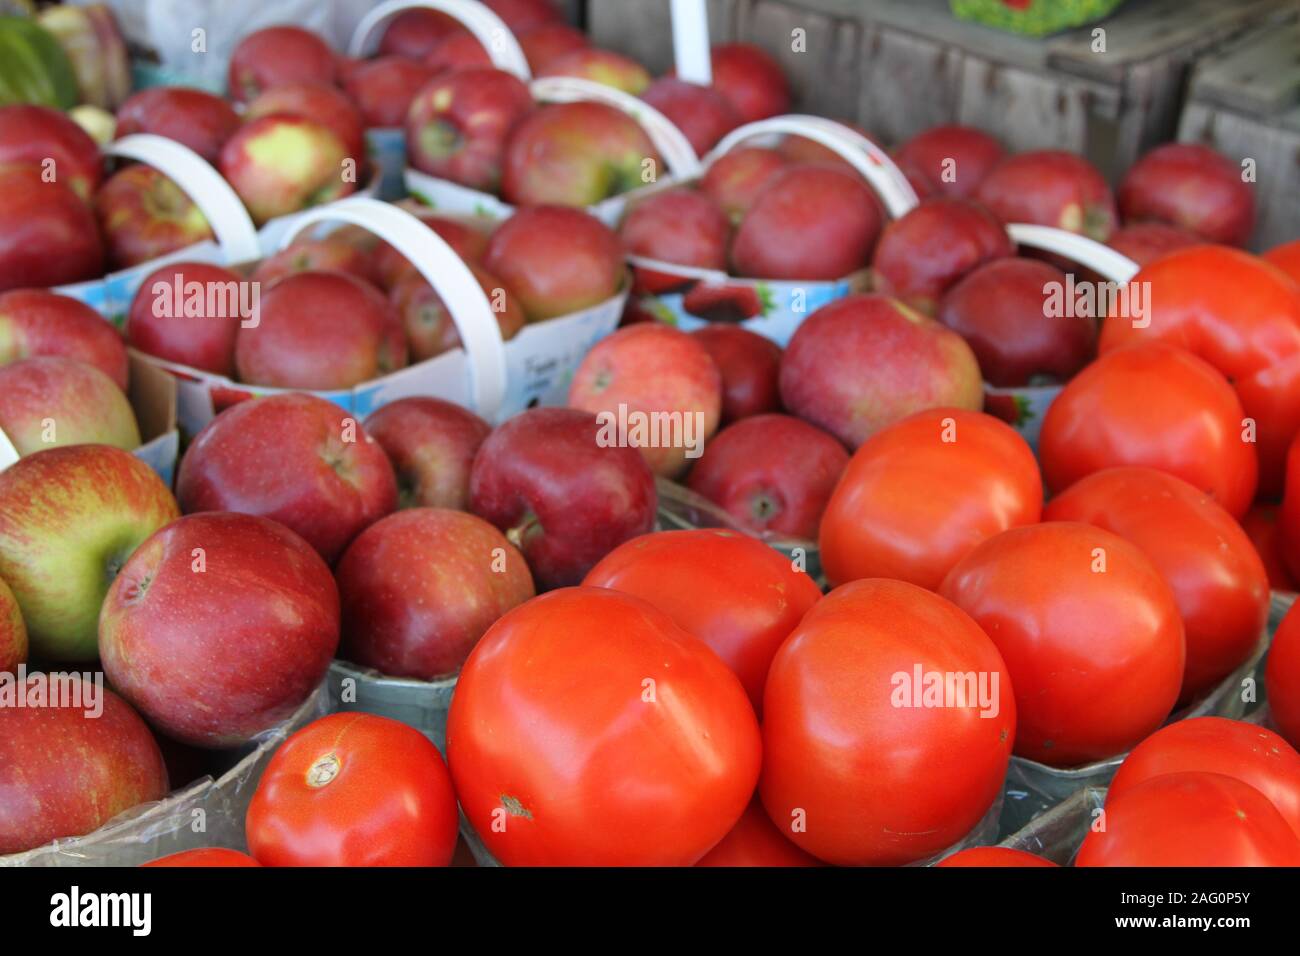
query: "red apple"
297, 459
383, 89
144, 216
955, 158
48, 236
648, 370
466, 239
194, 118
332, 253
431, 445
1051, 187
278, 56
190, 313
771, 473
420, 587
69, 767
49, 401
47, 139
13, 633
678, 225
318, 330
556, 260
460, 52
1014, 315
749, 364
413, 33
576, 154
326, 105
866, 361
69, 519
601, 66
523, 15
1191, 186
430, 329
549, 41
457, 125
219, 627
751, 79
1145, 242
560, 495
280, 163
702, 113
737, 178
921, 255
37, 322
808, 222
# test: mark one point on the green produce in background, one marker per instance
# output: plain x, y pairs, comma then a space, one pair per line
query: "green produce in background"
33, 66
1033, 17
93, 43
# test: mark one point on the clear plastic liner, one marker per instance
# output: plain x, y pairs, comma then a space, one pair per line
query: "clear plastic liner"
206, 813
1058, 833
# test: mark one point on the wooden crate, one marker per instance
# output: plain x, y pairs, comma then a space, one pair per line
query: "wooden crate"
1245, 102
899, 66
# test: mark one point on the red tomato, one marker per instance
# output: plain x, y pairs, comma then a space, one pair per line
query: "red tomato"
733, 592
1090, 633
917, 496
1282, 678
863, 761
1152, 405
354, 790
999, 856
1289, 514
1286, 257
1217, 577
1263, 526
1190, 819
755, 841
1240, 314
1233, 748
207, 856
588, 729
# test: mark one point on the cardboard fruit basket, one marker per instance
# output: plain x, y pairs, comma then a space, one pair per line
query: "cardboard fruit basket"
772, 307
494, 378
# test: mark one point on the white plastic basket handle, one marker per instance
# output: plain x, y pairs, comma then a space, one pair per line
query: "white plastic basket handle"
863, 155
488, 28
8, 453
1101, 259
218, 202
691, 54
455, 284
672, 144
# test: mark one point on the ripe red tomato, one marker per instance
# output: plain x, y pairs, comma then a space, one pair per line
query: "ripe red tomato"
1090, 633
1190, 819
1240, 314
588, 729
1282, 677
1262, 525
733, 592
1217, 577
207, 856
354, 790
1152, 405
1286, 257
917, 496
1289, 514
1234, 748
862, 761
755, 841
1000, 856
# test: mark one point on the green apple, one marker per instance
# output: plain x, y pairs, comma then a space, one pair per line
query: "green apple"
69, 519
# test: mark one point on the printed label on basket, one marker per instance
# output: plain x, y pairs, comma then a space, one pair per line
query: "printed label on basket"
1022, 407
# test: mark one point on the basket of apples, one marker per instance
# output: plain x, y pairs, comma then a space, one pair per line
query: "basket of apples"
365, 303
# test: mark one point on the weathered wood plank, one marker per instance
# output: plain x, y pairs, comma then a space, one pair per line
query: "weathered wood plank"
1259, 75
822, 61
642, 29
